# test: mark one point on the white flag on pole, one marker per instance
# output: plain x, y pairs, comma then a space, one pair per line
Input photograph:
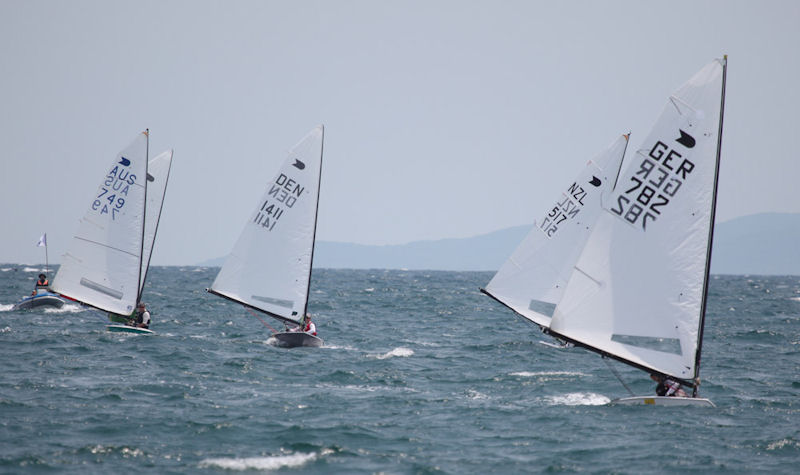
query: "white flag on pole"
42, 241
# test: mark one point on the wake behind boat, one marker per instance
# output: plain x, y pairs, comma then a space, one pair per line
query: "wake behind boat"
117, 328
269, 269
638, 289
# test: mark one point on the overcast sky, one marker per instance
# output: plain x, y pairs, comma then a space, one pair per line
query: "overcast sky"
443, 118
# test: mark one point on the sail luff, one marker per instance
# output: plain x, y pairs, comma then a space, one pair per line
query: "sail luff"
316, 214
710, 228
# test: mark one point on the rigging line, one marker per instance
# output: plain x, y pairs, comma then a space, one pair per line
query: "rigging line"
260, 319
614, 371
106, 246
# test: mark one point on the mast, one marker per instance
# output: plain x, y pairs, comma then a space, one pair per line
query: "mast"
316, 213
144, 217
710, 231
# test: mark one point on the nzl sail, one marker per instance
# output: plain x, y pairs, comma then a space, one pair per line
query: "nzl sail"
532, 281
638, 291
103, 265
269, 268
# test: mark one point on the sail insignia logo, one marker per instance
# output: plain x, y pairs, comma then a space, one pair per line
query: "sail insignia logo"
298, 164
124, 161
595, 181
685, 139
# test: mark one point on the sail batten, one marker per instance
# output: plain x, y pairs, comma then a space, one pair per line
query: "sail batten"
269, 268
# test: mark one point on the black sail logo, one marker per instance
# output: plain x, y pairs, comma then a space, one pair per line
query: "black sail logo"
124, 161
298, 164
595, 181
685, 139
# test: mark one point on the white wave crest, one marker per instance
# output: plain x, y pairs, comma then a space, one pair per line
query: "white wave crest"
577, 399
5, 269
31, 269
535, 374
67, 308
5, 330
259, 463
399, 352
6, 307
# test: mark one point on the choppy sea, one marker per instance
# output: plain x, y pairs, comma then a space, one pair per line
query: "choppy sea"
420, 373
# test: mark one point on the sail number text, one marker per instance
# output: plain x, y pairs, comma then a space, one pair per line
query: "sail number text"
282, 194
570, 205
113, 191
658, 178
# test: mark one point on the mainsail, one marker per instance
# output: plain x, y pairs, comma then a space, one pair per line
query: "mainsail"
532, 281
638, 290
269, 268
102, 267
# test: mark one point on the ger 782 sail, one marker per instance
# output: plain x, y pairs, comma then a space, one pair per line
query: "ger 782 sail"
269, 269
637, 293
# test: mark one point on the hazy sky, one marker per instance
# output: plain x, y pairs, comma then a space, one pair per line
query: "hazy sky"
443, 118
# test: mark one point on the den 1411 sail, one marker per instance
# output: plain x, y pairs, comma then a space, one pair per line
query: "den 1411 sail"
269, 268
532, 281
106, 263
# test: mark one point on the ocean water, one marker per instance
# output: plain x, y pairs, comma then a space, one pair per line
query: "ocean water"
419, 374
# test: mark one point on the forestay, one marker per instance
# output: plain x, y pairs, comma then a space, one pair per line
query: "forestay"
102, 265
637, 292
532, 281
270, 265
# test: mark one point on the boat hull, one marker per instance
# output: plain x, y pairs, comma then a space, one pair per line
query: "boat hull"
129, 329
40, 300
663, 401
295, 339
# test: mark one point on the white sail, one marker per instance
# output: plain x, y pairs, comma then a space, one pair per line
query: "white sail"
532, 281
270, 265
102, 265
637, 292
157, 178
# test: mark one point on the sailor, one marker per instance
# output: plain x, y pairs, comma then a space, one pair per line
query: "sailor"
668, 387
142, 318
309, 326
42, 283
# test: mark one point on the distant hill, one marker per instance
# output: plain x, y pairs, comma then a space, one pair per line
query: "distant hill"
756, 244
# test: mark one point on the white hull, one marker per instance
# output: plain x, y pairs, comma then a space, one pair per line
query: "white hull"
129, 329
663, 401
40, 300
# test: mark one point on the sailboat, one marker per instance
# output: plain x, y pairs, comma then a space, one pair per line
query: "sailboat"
41, 296
637, 293
108, 259
269, 269
532, 281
